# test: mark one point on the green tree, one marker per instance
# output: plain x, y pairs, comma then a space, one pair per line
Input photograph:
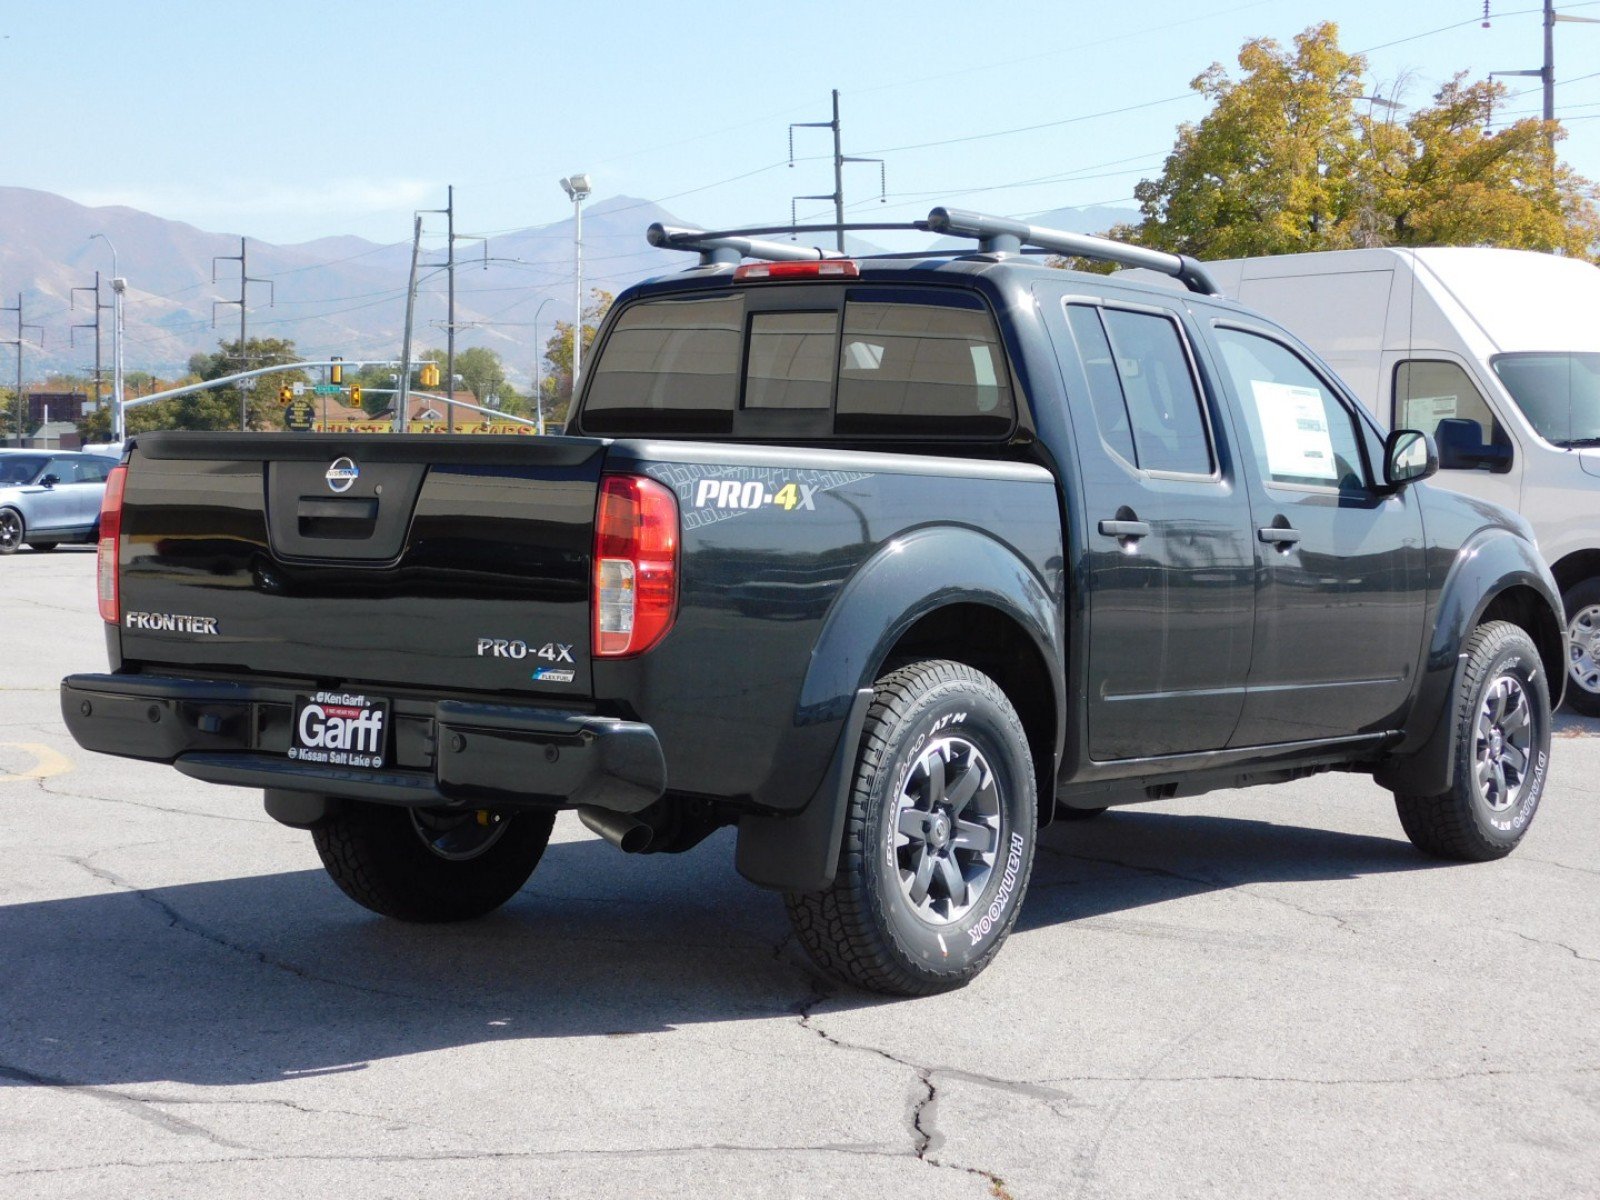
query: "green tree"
556, 386
1291, 158
481, 371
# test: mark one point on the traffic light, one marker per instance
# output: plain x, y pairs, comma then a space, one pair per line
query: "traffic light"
285, 395
430, 374
355, 395
336, 372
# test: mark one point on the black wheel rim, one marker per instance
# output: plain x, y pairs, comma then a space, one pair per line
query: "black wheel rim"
10, 531
1503, 743
947, 829
456, 835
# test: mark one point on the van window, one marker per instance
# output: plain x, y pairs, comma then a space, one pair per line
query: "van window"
669, 366
1105, 390
1169, 428
1559, 393
922, 368
1427, 392
1302, 434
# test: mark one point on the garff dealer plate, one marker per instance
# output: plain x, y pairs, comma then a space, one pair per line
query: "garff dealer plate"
340, 729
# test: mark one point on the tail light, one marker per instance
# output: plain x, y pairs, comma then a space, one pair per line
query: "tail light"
110, 543
635, 565
820, 268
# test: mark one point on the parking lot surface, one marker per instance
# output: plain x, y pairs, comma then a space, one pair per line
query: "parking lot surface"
1256, 993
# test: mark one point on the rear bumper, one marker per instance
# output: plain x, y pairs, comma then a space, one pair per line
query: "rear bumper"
442, 752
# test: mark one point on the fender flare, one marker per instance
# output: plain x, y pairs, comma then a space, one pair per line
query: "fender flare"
884, 598
1487, 565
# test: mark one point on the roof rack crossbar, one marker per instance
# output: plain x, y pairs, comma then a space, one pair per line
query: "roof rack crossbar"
731, 247
1000, 235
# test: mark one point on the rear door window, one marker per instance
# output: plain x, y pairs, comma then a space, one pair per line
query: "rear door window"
921, 364
790, 364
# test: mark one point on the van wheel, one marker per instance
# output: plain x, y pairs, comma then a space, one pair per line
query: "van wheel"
1502, 716
938, 838
12, 530
430, 864
1583, 647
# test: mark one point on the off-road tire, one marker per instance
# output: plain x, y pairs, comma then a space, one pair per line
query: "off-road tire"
13, 531
1581, 596
376, 856
866, 930
1463, 824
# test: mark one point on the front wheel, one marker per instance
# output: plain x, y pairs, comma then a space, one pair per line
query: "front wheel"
1583, 647
1502, 757
938, 840
12, 530
429, 865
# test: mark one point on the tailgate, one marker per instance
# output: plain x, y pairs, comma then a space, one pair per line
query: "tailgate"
449, 564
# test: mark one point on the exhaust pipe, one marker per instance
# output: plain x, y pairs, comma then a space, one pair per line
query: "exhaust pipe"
627, 833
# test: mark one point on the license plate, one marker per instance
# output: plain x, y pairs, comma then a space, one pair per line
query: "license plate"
340, 729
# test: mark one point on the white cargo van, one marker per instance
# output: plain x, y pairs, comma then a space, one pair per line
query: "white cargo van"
1494, 352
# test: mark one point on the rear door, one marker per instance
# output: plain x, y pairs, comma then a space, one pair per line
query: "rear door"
1169, 564
404, 560
1342, 582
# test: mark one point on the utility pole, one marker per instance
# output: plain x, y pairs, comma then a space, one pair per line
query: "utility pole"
18, 342
99, 306
245, 280
839, 160
402, 394
1547, 73
449, 264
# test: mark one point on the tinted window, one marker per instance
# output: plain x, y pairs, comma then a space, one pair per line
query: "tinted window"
791, 360
18, 469
1301, 432
923, 368
1425, 393
1105, 390
1169, 429
668, 366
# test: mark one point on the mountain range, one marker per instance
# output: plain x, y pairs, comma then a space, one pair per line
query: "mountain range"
336, 295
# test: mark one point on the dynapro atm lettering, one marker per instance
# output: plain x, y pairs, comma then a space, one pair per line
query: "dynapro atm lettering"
708, 494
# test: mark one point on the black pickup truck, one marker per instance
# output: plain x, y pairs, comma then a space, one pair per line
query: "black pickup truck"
886, 561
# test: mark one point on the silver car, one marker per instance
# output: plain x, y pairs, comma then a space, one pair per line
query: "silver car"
48, 497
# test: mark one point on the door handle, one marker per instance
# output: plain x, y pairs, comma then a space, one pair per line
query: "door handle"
1125, 529
1278, 535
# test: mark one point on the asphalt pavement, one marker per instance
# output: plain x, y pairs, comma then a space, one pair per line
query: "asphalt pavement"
1256, 993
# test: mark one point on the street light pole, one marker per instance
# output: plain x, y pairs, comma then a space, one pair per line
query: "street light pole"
538, 357
577, 189
119, 287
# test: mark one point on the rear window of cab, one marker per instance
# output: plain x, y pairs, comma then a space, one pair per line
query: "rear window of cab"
803, 362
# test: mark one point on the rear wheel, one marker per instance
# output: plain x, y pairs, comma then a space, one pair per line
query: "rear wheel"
1583, 647
13, 531
430, 865
1502, 715
938, 840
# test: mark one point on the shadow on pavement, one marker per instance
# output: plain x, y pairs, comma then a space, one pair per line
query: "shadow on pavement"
253, 979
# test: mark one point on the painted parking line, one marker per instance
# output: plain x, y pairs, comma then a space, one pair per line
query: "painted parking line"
46, 762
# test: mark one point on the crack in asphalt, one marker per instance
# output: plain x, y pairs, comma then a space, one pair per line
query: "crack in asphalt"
133, 1106
64, 793
1557, 945
923, 1105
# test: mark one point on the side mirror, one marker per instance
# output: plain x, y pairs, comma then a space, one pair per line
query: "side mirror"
1462, 448
50, 481
1408, 455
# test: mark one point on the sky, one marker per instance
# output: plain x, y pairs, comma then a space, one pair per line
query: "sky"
296, 120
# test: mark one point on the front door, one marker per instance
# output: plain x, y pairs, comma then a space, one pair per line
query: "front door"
1168, 566
1341, 577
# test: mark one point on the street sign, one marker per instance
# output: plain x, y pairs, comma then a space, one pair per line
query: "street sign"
323, 389
299, 389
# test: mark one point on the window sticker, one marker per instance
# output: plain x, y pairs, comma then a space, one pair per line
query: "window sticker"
1294, 425
1425, 412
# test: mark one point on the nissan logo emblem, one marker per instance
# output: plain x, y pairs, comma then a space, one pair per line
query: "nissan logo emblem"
342, 474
